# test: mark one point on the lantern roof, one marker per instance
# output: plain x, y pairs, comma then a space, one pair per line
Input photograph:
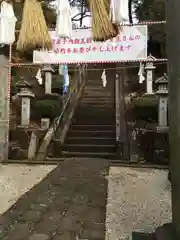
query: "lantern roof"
23, 84
163, 79
151, 58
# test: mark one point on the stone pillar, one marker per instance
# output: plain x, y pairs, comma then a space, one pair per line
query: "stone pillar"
149, 74
79, 75
48, 78
25, 111
121, 133
162, 92
4, 109
162, 113
33, 145
45, 123
25, 94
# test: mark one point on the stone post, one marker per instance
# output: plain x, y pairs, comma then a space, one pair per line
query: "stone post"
121, 136
25, 94
48, 78
81, 74
149, 74
45, 123
79, 77
33, 145
4, 109
162, 92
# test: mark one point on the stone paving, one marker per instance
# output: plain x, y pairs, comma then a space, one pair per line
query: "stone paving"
70, 203
85, 199
139, 200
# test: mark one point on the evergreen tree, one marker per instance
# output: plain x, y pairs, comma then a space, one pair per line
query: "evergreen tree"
153, 10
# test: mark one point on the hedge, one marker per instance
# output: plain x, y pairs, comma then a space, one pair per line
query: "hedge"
47, 108
145, 108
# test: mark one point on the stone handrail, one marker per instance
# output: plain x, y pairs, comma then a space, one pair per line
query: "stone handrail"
62, 122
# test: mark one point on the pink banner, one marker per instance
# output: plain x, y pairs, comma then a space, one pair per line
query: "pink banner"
131, 44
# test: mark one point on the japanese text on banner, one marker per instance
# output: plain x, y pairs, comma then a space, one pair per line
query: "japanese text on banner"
86, 45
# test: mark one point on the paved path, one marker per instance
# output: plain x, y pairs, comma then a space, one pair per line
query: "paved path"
75, 198
70, 203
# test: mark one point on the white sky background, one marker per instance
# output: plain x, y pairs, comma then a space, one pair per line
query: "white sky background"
87, 20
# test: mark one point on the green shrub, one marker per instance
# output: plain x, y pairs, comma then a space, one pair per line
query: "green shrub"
47, 108
145, 108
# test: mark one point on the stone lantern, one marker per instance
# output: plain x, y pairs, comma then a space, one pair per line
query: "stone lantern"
149, 74
25, 94
47, 69
162, 92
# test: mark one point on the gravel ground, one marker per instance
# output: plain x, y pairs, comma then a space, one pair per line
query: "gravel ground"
138, 200
15, 180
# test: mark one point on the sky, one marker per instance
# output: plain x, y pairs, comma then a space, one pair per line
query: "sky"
87, 20
124, 13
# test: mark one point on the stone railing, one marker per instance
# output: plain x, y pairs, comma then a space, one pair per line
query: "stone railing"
61, 124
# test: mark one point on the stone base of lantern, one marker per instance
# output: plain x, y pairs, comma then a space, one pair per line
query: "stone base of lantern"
149, 94
162, 129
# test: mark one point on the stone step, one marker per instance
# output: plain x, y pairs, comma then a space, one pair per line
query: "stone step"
98, 107
97, 104
89, 148
90, 121
14, 144
96, 94
95, 88
95, 101
90, 140
102, 155
93, 85
98, 97
91, 82
94, 112
93, 127
87, 133
92, 131
103, 103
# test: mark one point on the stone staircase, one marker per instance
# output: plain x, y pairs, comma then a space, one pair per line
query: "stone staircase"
92, 131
